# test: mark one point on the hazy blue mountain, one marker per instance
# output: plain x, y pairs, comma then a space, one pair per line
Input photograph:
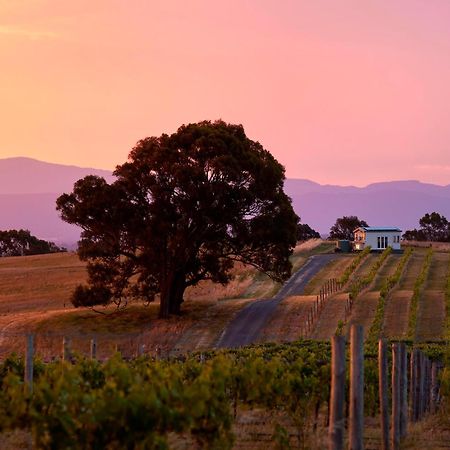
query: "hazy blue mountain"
28, 191
29, 176
393, 203
29, 188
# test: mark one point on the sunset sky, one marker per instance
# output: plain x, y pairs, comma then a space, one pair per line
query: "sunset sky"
342, 92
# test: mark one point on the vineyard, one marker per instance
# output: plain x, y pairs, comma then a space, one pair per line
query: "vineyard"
194, 402
274, 394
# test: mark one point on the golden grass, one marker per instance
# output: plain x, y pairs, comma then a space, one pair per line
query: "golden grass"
333, 311
334, 269
288, 319
437, 275
363, 311
438, 246
412, 269
35, 296
386, 270
396, 314
42, 282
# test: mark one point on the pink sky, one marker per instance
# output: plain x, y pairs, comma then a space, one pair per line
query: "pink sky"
342, 92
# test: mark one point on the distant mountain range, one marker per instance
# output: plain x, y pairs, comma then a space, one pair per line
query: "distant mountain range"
28, 191
29, 188
392, 203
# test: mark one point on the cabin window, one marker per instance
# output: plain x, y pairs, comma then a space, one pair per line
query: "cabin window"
382, 241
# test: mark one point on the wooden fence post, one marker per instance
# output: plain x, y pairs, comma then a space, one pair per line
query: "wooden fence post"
66, 356
395, 427
426, 382
413, 399
356, 388
421, 385
337, 398
29, 363
93, 349
434, 387
403, 390
383, 393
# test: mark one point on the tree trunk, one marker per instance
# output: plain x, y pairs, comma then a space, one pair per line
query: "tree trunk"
171, 297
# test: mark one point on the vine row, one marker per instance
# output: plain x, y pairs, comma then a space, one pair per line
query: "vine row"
388, 285
354, 264
362, 283
412, 322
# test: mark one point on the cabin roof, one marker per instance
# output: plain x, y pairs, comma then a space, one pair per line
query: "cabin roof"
378, 229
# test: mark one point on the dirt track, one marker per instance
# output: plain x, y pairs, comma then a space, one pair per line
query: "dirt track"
249, 322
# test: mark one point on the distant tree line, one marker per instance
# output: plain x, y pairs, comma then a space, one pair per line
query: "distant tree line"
22, 243
433, 227
305, 232
344, 227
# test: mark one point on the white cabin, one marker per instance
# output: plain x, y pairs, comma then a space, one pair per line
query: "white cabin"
378, 238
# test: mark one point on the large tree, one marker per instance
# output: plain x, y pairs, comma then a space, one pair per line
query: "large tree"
183, 209
344, 227
433, 227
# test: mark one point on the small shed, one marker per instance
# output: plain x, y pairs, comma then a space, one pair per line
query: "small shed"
378, 238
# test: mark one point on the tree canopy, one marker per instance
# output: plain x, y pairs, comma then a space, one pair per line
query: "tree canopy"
183, 209
305, 232
22, 243
433, 227
344, 227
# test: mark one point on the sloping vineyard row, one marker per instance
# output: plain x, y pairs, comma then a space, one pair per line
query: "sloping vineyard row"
389, 283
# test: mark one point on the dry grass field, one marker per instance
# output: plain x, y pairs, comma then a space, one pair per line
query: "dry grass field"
332, 313
396, 314
364, 268
285, 325
386, 270
363, 311
412, 270
334, 269
35, 296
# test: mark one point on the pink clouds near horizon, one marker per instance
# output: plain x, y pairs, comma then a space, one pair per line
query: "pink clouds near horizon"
344, 92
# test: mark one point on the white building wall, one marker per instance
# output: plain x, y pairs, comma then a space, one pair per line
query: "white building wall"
372, 239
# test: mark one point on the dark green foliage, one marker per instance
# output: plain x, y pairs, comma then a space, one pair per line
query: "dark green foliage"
183, 209
344, 227
115, 405
433, 227
305, 232
22, 243
90, 296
